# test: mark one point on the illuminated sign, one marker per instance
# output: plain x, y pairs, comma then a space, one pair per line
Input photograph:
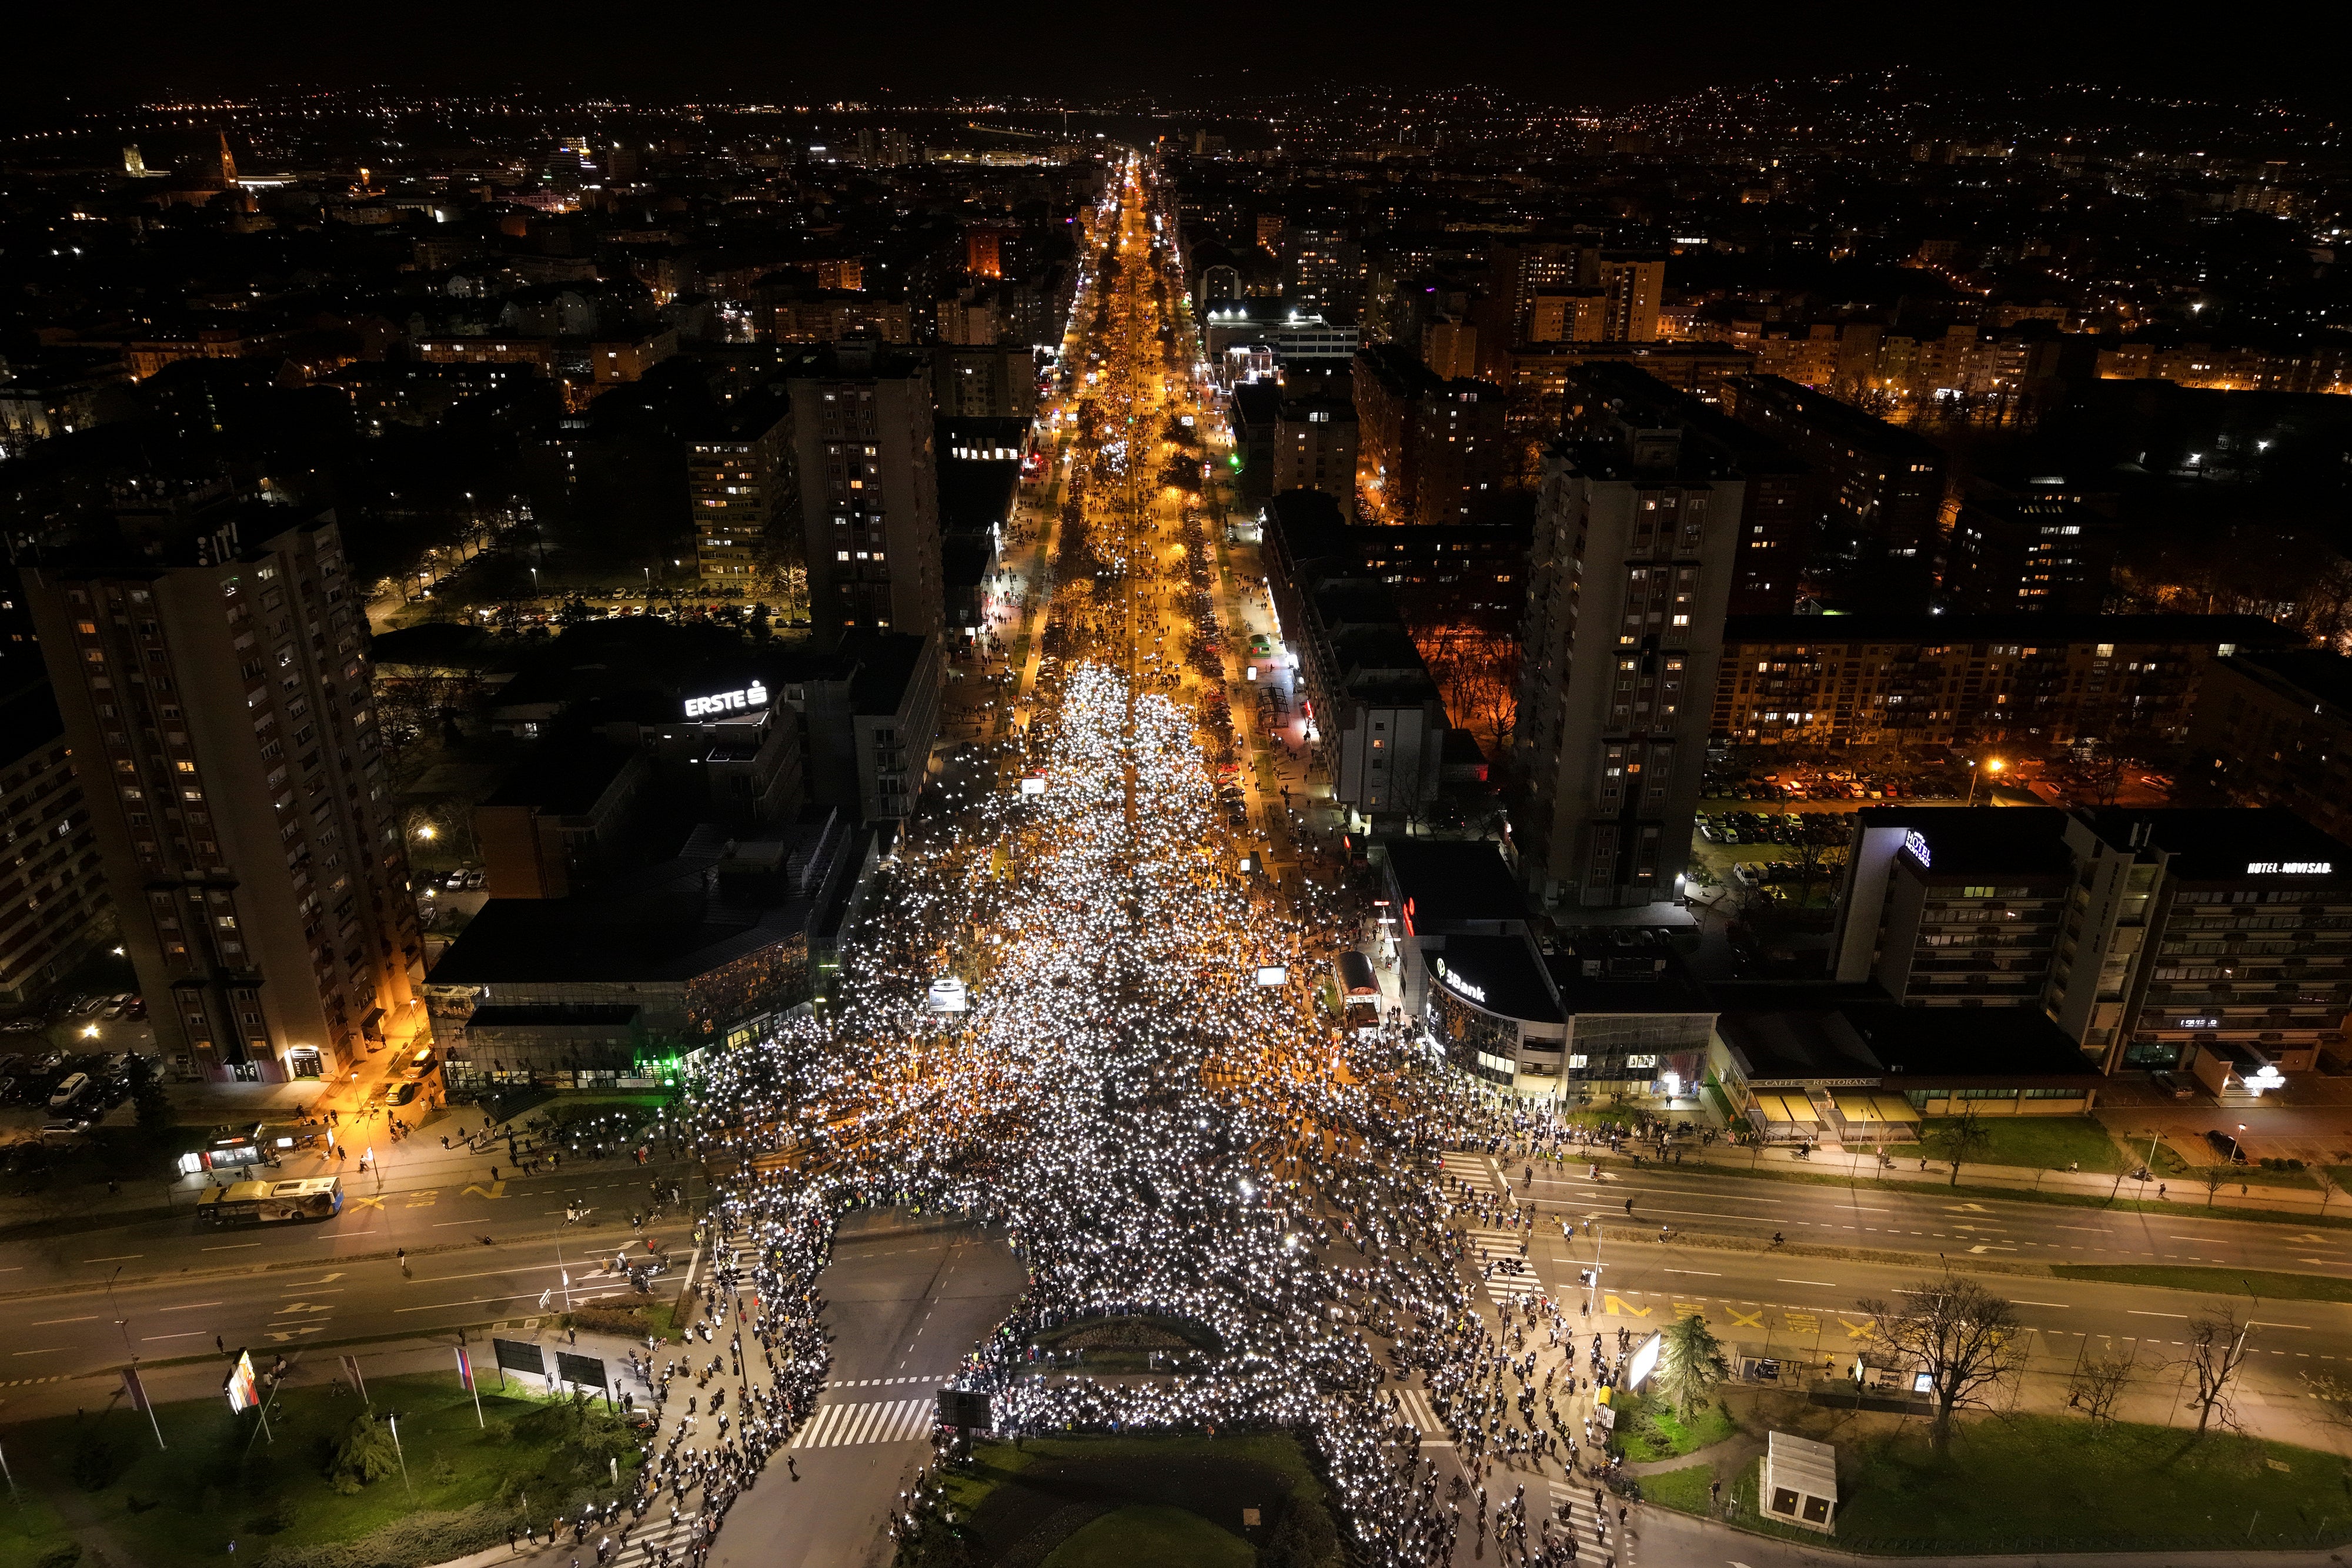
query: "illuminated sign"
2199, 1023
1273, 974
1918, 847
1476, 994
2290, 868
239, 1386
751, 698
1034, 785
1644, 1361
947, 995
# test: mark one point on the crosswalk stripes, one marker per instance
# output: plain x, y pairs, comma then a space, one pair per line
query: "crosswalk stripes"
1514, 1277
1472, 1169
930, 1377
875, 1421
1581, 1516
646, 1542
1418, 1411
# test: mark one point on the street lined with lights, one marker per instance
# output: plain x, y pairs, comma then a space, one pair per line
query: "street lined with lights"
1081, 1013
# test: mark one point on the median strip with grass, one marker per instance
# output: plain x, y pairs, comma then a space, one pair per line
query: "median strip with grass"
2266, 1283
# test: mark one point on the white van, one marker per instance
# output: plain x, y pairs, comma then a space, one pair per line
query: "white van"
75, 1086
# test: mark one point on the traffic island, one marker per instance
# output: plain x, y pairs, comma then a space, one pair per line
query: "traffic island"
1099, 1500
325, 1486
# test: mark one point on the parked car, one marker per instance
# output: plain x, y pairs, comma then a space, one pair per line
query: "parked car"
7, 1091
2227, 1147
68, 1089
476, 879
2171, 1083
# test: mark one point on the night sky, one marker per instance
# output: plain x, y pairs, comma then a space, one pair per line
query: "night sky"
1558, 53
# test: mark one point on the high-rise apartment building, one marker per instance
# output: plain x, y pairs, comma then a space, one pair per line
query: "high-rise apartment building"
1885, 484
1632, 286
53, 894
995, 381
217, 693
2038, 552
738, 484
869, 502
1637, 527
1779, 516
2218, 942
1428, 451
1315, 448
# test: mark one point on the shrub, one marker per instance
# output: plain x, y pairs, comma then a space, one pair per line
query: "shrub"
1304, 1537
95, 1462
629, 1321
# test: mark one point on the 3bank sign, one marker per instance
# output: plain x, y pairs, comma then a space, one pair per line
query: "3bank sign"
750, 698
1476, 993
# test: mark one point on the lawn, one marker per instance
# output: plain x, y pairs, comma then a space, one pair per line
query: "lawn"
1008, 1493
1683, 1490
1152, 1535
2043, 1143
222, 1481
2268, 1284
1650, 1429
2052, 1482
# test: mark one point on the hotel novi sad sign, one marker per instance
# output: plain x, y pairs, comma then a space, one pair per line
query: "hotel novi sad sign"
2290, 868
754, 695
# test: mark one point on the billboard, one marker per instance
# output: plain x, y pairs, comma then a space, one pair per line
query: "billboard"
587, 1371
243, 1393
519, 1356
1644, 1361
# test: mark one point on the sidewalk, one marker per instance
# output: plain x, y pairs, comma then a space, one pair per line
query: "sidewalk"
1863, 1166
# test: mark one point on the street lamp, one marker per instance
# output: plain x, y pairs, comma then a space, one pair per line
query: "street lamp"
1991, 765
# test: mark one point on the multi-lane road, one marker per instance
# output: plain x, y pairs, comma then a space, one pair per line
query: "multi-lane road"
84, 1300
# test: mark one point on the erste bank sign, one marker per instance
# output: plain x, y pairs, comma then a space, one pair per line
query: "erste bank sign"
754, 695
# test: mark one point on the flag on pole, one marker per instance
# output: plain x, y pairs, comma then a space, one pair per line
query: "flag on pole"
464, 1370
352, 1369
137, 1389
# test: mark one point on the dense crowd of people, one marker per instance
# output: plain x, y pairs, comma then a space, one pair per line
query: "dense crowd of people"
1156, 1127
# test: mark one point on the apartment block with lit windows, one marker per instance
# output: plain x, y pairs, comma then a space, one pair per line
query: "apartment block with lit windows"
217, 695
1944, 680
1636, 533
2217, 942
739, 484
862, 435
1884, 486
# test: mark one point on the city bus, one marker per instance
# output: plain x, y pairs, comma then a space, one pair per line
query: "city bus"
1360, 989
266, 1202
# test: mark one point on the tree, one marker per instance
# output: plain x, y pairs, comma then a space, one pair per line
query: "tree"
2098, 1382
1690, 1364
365, 1454
1959, 1139
1961, 1335
2214, 1177
2217, 1352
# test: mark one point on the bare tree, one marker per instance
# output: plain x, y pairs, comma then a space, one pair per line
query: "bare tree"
2215, 1177
1959, 1139
2098, 1382
1961, 1335
2217, 1352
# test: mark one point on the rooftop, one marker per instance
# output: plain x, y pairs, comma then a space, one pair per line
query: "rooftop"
705, 907
1450, 881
